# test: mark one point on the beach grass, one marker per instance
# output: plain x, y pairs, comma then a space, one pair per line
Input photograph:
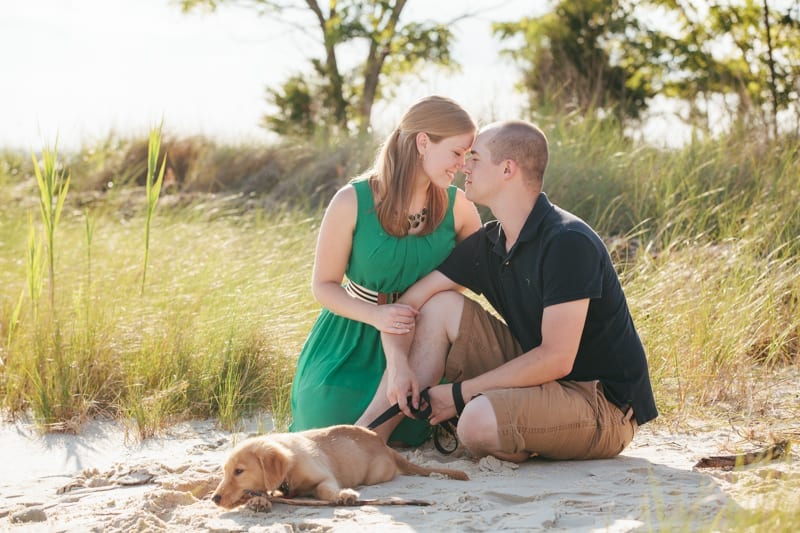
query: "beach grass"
226, 308
706, 240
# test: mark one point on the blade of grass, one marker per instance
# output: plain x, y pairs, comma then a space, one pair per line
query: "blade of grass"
152, 190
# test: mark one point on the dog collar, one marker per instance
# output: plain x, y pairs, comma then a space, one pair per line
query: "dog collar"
284, 488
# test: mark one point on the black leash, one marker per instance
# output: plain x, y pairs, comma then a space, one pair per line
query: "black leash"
420, 414
446, 429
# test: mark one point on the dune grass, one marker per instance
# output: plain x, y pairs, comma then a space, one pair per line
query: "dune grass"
226, 309
706, 240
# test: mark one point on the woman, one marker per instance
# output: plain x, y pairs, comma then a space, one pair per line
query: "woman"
384, 230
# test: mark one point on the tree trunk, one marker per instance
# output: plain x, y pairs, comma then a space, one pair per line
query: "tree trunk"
772, 78
331, 64
378, 51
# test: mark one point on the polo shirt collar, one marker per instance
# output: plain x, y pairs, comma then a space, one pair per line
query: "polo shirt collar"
540, 210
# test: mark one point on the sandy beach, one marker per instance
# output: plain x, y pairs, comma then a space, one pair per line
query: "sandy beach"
101, 481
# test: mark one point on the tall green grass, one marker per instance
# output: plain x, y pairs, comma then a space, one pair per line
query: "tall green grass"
226, 309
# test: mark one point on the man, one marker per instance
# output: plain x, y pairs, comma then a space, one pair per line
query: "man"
567, 377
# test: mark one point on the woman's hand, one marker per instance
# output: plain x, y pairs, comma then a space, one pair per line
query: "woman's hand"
401, 382
395, 318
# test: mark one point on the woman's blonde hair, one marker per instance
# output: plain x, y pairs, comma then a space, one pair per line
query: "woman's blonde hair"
392, 175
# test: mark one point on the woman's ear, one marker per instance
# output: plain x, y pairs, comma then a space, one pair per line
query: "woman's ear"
422, 142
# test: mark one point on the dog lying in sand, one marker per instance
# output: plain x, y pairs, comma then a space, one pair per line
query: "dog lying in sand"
325, 463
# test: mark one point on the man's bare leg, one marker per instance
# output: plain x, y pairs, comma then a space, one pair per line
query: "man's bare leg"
436, 329
477, 431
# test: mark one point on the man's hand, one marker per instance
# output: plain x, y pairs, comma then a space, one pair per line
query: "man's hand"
401, 382
395, 318
442, 405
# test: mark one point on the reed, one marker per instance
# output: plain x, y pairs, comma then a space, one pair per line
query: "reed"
53, 185
34, 271
153, 184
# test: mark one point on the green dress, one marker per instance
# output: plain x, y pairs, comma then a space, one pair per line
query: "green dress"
342, 361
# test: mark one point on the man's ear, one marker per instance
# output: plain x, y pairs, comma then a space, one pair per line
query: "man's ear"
422, 142
509, 168
274, 466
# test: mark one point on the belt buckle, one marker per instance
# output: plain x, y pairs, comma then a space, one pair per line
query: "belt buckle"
388, 297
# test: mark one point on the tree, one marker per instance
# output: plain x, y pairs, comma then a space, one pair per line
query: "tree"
329, 98
753, 53
616, 55
587, 54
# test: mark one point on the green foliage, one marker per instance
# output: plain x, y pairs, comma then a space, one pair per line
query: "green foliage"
586, 54
615, 56
297, 114
331, 102
418, 43
746, 49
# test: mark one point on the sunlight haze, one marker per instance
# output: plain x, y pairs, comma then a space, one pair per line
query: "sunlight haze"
79, 70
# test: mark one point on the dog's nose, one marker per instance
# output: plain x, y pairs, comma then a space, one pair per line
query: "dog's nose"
216, 498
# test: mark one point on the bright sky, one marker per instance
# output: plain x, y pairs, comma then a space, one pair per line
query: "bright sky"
80, 69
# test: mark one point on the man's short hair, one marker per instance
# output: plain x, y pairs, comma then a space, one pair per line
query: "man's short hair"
522, 142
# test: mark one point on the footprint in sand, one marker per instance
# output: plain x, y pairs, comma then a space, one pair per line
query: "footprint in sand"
495, 465
468, 503
515, 499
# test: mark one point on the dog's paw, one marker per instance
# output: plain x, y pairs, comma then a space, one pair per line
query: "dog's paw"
259, 504
347, 497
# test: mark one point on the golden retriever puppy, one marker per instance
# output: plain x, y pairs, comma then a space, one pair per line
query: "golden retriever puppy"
325, 463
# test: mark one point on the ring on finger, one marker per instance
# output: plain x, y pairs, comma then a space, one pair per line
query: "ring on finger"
397, 324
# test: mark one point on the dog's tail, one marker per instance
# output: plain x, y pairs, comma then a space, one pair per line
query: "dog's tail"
407, 467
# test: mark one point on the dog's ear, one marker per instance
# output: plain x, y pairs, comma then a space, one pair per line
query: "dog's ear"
274, 466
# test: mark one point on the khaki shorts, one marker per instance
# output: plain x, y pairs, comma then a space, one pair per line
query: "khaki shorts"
556, 420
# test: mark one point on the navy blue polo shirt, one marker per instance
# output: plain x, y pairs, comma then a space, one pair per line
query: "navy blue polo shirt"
558, 258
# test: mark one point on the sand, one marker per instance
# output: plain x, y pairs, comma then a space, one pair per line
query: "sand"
101, 481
